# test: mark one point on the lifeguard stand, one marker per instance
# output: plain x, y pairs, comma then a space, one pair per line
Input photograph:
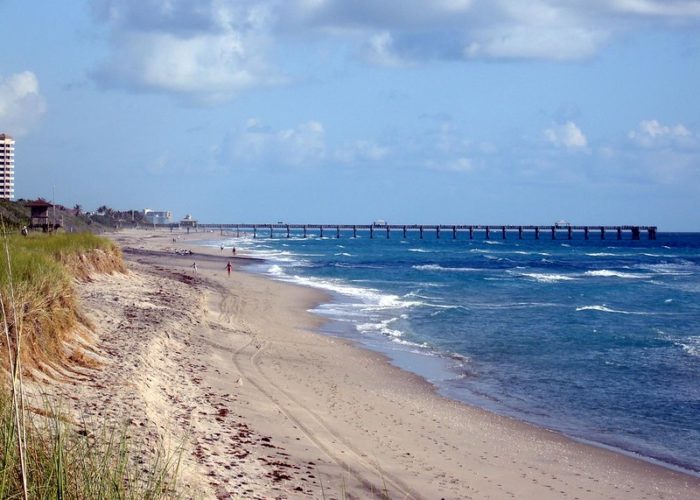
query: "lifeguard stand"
39, 218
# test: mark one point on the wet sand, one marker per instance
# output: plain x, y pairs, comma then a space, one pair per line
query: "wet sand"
231, 369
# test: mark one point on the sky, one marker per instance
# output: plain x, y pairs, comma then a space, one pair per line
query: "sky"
330, 111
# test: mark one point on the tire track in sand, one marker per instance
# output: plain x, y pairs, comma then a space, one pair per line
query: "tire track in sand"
295, 411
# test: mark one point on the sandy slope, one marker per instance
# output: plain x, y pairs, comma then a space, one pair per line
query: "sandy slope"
230, 369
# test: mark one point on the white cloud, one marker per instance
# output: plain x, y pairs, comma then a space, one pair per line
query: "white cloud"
361, 151
379, 50
460, 165
567, 135
303, 145
211, 50
205, 51
258, 145
650, 133
666, 8
21, 104
510, 29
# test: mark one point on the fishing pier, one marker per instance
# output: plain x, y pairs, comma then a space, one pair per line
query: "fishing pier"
439, 230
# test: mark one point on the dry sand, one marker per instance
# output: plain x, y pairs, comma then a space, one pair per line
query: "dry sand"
230, 369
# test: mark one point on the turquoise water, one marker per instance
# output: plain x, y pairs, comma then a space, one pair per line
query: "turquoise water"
597, 339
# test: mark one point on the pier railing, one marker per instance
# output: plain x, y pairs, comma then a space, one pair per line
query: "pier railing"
440, 230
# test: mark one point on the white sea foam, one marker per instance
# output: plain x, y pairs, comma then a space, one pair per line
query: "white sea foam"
604, 308
600, 308
276, 270
416, 295
380, 327
607, 273
489, 242
343, 254
439, 268
547, 277
420, 250
602, 254
368, 299
690, 345
683, 268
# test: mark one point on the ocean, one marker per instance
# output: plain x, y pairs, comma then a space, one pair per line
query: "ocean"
596, 339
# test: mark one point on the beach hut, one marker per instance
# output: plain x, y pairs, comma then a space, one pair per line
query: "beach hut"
39, 217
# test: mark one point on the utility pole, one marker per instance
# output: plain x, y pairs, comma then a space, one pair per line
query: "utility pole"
53, 207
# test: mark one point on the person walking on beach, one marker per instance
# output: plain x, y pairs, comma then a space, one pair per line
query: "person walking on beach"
222, 248
194, 266
233, 250
229, 267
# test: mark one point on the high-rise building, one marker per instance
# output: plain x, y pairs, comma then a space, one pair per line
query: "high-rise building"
7, 167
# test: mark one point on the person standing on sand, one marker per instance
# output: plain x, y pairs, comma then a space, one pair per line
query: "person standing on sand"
229, 267
194, 266
233, 250
222, 248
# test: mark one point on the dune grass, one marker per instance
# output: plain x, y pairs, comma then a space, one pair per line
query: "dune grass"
65, 460
36, 278
44, 454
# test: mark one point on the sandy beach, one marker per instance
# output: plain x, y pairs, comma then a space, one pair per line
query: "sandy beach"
230, 369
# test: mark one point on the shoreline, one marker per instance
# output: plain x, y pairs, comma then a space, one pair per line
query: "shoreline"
402, 430
399, 361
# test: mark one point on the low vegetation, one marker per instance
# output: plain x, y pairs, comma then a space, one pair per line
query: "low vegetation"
44, 453
36, 290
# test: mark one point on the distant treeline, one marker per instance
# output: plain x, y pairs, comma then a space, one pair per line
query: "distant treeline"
16, 214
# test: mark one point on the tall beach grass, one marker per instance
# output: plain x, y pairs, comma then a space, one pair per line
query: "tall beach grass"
44, 453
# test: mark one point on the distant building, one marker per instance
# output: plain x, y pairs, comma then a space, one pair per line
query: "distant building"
188, 221
7, 167
157, 217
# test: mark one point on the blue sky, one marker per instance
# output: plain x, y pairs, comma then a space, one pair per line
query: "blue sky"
412, 111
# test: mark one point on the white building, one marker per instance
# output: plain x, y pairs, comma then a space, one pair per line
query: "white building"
7, 167
157, 217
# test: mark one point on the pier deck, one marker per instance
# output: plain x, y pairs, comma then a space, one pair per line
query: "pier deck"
441, 230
